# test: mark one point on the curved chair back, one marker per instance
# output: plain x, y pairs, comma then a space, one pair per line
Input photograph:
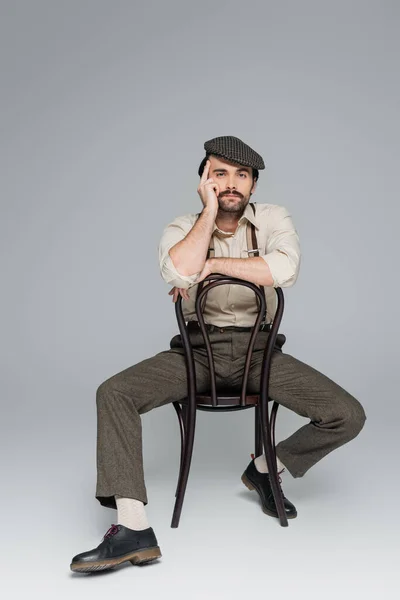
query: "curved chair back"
216, 280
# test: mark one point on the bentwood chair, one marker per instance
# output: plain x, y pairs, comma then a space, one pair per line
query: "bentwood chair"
225, 400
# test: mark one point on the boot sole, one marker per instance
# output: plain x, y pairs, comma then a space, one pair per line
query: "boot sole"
251, 487
139, 557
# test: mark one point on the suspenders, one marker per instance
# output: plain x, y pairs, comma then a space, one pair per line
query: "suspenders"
252, 250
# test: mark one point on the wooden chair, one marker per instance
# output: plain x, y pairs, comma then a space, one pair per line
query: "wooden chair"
225, 401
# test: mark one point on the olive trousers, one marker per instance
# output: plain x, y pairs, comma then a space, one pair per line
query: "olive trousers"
335, 416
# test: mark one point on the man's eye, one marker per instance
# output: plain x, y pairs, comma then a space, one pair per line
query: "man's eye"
241, 174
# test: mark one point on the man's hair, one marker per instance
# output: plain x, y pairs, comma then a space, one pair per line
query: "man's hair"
203, 164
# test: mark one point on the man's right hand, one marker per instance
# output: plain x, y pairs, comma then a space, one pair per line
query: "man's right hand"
208, 189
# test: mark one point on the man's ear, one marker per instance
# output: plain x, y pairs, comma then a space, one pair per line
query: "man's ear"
253, 189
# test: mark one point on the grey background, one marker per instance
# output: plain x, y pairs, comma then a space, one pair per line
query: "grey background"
105, 107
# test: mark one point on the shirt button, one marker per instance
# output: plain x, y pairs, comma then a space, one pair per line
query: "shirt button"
232, 306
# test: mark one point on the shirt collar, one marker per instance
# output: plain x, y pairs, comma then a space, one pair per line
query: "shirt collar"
248, 215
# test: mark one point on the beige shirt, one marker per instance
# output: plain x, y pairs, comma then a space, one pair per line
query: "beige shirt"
278, 244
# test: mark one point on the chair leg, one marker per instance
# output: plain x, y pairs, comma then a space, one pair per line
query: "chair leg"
274, 410
189, 430
257, 432
257, 429
181, 412
272, 468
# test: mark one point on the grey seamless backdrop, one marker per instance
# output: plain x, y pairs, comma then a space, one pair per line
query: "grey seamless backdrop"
105, 107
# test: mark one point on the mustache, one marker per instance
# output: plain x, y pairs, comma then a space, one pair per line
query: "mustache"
230, 194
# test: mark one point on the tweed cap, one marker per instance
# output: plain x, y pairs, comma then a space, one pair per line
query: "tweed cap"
232, 148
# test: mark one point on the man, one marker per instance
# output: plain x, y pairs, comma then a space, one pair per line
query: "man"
229, 174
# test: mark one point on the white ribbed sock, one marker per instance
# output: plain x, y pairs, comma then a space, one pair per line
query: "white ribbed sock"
131, 513
262, 467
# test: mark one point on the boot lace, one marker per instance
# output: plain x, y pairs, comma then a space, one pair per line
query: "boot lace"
112, 531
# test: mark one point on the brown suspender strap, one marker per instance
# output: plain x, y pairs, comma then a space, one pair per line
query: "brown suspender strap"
252, 250
250, 235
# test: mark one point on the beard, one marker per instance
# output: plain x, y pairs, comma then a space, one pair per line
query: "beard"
233, 205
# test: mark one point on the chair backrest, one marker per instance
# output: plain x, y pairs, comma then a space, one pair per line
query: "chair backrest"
215, 280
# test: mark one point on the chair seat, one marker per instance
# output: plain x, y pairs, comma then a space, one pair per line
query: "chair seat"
224, 399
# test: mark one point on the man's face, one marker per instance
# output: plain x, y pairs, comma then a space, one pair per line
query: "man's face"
232, 179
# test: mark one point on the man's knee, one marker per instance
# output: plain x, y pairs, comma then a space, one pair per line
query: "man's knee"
352, 415
105, 391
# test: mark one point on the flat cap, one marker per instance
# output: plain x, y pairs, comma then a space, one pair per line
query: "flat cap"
232, 148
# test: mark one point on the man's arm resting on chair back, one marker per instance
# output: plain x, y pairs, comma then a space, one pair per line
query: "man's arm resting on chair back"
189, 255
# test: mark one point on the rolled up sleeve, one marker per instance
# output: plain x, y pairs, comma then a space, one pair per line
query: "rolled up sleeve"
172, 234
283, 248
